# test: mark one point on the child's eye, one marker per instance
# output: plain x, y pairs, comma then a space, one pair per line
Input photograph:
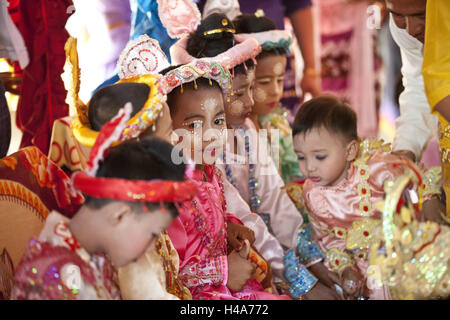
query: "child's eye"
300, 158
196, 124
219, 122
320, 157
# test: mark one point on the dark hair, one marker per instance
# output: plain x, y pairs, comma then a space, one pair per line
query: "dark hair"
200, 45
106, 102
145, 159
328, 112
200, 83
249, 23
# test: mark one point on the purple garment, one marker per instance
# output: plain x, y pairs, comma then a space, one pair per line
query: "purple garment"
273, 9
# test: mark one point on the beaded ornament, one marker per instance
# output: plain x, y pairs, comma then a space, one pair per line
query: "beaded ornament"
416, 257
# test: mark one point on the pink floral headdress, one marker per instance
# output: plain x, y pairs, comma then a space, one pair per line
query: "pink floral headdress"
247, 48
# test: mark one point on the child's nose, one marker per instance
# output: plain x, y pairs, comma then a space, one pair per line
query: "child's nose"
310, 167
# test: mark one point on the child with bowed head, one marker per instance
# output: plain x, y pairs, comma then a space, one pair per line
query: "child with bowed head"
344, 180
130, 199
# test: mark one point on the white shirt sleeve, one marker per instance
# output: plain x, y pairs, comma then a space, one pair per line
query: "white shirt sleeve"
266, 244
285, 219
415, 125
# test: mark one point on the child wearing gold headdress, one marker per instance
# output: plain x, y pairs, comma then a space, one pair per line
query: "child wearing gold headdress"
149, 117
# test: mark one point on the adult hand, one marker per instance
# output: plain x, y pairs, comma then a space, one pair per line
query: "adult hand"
240, 269
236, 234
310, 83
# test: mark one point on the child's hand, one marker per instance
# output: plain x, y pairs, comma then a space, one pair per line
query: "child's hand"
352, 283
326, 276
236, 234
321, 292
240, 269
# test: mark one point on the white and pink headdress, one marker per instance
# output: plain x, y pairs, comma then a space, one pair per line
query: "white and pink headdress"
245, 49
141, 56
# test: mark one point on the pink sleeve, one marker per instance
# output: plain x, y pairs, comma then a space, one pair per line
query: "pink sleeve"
209, 271
178, 236
178, 52
382, 169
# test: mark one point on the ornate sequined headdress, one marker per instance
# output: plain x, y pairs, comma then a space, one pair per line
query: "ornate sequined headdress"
145, 118
122, 189
191, 72
415, 262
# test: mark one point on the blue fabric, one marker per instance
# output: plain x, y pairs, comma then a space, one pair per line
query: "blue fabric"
145, 20
306, 248
299, 278
107, 82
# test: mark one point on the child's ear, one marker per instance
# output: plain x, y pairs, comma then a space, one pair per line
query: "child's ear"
352, 150
116, 212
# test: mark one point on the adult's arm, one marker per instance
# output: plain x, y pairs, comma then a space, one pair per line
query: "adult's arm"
415, 125
302, 20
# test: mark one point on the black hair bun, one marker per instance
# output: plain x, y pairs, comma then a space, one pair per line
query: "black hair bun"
216, 26
219, 36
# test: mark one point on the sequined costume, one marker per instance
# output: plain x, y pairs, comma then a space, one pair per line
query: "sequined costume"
343, 216
436, 75
56, 267
199, 236
415, 256
288, 164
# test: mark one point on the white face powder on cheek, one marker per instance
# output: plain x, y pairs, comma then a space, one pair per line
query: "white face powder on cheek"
260, 95
237, 107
